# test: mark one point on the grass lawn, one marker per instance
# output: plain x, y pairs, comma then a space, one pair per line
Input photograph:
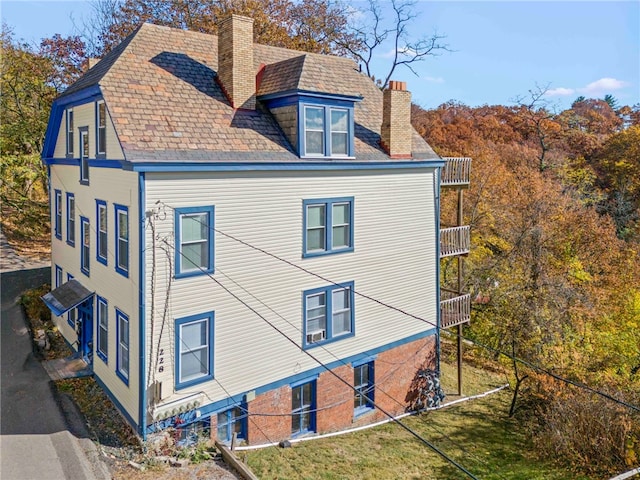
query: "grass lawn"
477, 434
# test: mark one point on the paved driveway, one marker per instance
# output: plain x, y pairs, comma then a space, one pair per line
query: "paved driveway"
35, 441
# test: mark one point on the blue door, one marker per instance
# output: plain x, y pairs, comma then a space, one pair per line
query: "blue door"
85, 326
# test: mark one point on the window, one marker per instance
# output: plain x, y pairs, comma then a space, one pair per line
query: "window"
194, 241
71, 219
328, 226
363, 384
122, 240
327, 131
69, 132
194, 350
101, 231
58, 276
303, 415
58, 214
84, 156
101, 130
233, 420
103, 328
328, 314
73, 313
122, 345
85, 231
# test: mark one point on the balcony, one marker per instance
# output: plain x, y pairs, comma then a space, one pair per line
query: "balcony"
455, 241
456, 172
455, 309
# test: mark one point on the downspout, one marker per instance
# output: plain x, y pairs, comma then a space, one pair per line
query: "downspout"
142, 407
437, 180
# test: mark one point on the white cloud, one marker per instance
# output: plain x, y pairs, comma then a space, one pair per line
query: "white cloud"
401, 51
604, 85
559, 92
434, 79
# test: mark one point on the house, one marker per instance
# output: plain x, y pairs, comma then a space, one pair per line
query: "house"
247, 226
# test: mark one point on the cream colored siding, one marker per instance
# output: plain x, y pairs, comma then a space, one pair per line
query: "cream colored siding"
394, 260
112, 186
85, 116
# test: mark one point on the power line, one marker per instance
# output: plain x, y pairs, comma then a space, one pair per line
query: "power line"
416, 317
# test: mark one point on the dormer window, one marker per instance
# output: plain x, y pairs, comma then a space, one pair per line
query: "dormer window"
101, 130
327, 131
69, 132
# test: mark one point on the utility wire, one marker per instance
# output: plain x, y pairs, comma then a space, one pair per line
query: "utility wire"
416, 317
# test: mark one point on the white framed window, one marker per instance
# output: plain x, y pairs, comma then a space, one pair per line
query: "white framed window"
122, 239
194, 350
122, 345
103, 328
101, 130
101, 231
328, 314
58, 214
327, 131
84, 156
85, 251
328, 226
58, 276
363, 383
70, 138
194, 241
303, 414
71, 219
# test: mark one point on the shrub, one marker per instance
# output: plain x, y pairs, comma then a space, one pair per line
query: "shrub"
33, 304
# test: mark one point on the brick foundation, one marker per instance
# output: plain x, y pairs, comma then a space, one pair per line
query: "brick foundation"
269, 413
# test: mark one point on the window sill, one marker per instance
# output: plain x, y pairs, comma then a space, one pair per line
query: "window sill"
84, 182
124, 273
323, 157
193, 273
360, 412
122, 377
195, 381
326, 252
102, 357
86, 272
101, 260
307, 346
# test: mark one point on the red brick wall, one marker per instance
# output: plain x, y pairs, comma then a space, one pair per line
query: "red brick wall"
394, 372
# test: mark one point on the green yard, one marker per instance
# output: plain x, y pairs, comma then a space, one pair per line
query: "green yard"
477, 434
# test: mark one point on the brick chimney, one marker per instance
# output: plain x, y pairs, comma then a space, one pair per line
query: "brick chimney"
236, 74
396, 131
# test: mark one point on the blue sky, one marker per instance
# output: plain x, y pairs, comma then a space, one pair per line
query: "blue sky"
501, 49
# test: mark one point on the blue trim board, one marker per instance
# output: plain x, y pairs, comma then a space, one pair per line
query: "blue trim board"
437, 222
308, 95
296, 379
329, 164
113, 398
95, 163
177, 213
208, 317
142, 384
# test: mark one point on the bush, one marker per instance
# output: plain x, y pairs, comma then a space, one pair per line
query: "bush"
33, 304
587, 431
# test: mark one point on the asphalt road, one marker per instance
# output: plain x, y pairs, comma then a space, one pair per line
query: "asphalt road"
36, 441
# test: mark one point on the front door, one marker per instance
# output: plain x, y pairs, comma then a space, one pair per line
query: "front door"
85, 327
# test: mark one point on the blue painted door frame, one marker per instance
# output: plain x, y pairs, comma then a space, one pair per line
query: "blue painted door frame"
85, 321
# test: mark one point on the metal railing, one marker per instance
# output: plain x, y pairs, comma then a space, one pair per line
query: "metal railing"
455, 241
454, 309
456, 171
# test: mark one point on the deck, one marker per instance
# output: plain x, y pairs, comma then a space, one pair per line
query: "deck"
456, 172
455, 309
455, 241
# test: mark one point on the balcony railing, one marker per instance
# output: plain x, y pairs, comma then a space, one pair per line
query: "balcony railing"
454, 241
455, 308
456, 171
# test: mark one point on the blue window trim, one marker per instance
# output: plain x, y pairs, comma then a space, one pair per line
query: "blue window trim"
102, 355
119, 269
209, 318
327, 105
124, 376
98, 153
99, 258
71, 241
312, 407
69, 147
72, 323
58, 276
58, 213
85, 221
178, 212
241, 420
329, 337
84, 171
368, 407
328, 230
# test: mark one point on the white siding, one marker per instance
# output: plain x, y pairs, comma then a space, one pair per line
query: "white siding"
85, 116
112, 186
394, 261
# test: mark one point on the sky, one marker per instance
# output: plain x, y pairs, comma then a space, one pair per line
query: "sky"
499, 50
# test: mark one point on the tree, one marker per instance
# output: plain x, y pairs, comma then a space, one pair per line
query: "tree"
309, 25
373, 33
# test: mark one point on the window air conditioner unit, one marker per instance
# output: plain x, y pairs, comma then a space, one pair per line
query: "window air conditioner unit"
315, 336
